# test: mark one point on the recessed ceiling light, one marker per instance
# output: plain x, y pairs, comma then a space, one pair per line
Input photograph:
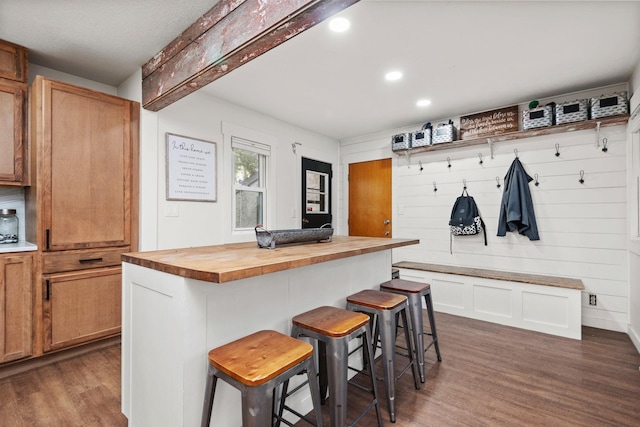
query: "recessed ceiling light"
423, 102
393, 75
339, 25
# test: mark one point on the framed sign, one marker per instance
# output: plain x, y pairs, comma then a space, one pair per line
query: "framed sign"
190, 169
494, 122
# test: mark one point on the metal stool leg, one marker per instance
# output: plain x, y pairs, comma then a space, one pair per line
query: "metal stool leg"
432, 324
387, 330
415, 314
209, 392
337, 369
411, 351
256, 407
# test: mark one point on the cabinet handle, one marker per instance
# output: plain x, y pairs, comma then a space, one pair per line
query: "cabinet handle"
88, 260
48, 288
47, 235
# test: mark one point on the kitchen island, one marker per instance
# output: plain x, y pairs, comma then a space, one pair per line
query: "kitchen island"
180, 303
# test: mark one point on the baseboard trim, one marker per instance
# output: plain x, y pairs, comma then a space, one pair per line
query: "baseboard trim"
19, 366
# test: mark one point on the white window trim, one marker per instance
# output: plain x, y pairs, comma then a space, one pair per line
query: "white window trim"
230, 130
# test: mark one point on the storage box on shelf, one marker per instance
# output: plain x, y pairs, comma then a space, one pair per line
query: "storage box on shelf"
444, 132
537, 117
421, 138
576, 111
401, 141
609, 105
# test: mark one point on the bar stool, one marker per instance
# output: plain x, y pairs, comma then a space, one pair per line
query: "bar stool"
256, 365
384, 308
333, 328
414, 291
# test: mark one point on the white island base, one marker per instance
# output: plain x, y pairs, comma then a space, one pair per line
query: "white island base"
171, 322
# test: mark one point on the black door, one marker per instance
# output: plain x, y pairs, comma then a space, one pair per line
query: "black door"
316, 193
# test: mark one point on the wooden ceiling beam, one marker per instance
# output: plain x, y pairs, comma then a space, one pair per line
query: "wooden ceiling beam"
229, 35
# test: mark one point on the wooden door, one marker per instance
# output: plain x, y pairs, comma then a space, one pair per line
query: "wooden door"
370, 198
15, 306
86, 168
81, 306
316, 193
11, 134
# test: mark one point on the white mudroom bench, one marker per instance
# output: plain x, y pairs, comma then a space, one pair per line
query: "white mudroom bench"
548, 304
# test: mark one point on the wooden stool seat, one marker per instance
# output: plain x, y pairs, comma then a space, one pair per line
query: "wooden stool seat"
256, 365
414, 291
376, 299
259, 357
405, 286
331, 321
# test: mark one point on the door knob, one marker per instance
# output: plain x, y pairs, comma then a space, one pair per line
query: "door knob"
386, 222
305, 221
386, 233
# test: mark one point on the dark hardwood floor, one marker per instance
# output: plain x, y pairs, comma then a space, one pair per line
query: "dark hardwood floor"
490, 375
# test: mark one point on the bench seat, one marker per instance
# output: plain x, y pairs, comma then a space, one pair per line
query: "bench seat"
549, 304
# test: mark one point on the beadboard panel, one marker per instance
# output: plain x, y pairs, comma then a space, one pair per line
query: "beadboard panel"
583, 226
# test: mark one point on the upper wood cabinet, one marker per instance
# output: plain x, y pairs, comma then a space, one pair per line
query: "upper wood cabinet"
13, 89
84, 158
15, 306
13, 62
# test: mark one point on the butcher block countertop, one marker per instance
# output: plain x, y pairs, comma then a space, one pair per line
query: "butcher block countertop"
226, 263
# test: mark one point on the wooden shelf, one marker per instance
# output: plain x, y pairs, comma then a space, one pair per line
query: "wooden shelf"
551, 130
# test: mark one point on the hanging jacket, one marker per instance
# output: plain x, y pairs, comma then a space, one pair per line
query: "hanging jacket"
516, 209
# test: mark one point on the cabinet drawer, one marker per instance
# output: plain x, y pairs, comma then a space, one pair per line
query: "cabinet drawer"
81, 306
81, 260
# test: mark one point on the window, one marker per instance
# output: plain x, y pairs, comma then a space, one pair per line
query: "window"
250, 163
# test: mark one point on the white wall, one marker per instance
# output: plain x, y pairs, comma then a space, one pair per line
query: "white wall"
205, 223
583, 227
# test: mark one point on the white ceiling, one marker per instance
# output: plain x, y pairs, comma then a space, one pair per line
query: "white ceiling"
465, 57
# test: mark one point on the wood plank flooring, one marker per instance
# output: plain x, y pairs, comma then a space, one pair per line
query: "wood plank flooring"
490, 375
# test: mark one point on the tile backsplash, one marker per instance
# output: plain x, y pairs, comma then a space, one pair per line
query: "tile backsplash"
13, 198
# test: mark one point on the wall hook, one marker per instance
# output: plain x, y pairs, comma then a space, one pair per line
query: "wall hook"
581, 177
515, 151
536, 176
435, 188
449, 162
480, 157
498, 181
464, 184
557, 150
420, 163
604, 145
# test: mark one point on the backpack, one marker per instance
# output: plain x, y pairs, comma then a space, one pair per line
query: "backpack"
465, 218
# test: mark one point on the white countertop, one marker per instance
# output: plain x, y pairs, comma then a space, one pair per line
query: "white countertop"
17, 247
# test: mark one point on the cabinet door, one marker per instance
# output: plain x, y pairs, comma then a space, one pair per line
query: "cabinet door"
11, 134
86, 168
81, 306
15, 306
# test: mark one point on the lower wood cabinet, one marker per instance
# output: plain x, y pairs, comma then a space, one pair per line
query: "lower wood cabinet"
15, 306
81, 306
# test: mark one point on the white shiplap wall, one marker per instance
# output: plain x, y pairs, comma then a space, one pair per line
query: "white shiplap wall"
582, 227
